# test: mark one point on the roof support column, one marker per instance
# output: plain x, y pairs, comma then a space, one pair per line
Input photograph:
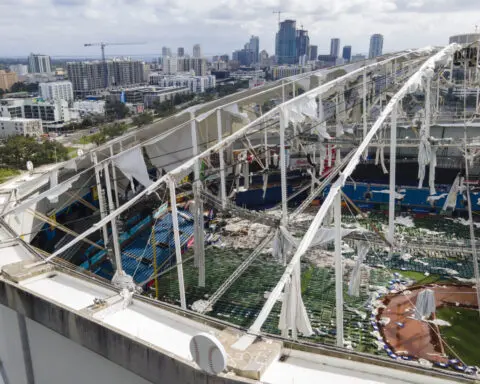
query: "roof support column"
114, 173
393, 168
223, 188
178, 250
120, 278
199, 236
477, 77
101, 201
337, 208
365, 127
283, 170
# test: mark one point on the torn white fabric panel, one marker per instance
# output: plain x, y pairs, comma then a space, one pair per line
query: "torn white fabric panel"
265, 184
431, 175
327, 235
132, 164
382, 159
173, 150
53, 183
293, 314
451, 200
53, 197
304, 83
329, 154
71, 164
425, 305
233, 110
354, 284
424, 157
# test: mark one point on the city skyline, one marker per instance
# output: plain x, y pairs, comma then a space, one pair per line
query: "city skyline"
67, 24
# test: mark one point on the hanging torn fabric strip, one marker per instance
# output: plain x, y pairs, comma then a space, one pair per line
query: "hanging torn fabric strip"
53, 183
293, 314
132, 164
354, 284
53, 197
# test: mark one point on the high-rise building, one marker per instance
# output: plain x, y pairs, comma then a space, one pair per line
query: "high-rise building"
335, 47
170, 65
89, 77
347, 53
39, 63
199, 65
166, 52
254, 47
224, 58
313, 52
376, 46
57, 90
197, 50
180, 52
7, 79
286, 43
302, 43
19, 69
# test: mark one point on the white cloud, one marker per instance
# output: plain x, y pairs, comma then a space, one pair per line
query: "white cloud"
61, 27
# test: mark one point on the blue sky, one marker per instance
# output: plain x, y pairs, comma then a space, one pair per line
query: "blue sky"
61, 27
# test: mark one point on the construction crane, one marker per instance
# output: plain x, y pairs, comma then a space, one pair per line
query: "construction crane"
102, 46
279, 14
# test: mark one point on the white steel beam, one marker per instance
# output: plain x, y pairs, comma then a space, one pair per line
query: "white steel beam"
223, 188
116, 244
393, 167
178, 250
101, 202
336, 187
337, 211
225, 142
283, 170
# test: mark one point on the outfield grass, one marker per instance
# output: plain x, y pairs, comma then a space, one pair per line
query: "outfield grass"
419, 277
463, 333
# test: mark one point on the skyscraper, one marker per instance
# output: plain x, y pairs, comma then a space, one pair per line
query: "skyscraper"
347, 53
285, 43
39, 63
254, 47
335, 47
302, 43
180, 52
197, 51
313, 52
166, 52
376, 46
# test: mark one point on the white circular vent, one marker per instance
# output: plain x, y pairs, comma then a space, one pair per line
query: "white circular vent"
208, 353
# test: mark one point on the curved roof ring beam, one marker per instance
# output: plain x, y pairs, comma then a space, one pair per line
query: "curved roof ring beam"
426, 70
224, 143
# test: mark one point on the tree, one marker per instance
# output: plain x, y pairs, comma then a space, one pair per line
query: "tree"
115, 109
24, 87
142, 119
20, 149
2, 92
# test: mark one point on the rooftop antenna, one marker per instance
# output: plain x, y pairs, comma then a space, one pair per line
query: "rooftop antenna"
279, 14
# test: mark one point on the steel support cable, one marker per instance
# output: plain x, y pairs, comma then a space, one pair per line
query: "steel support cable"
316, 222
186, 165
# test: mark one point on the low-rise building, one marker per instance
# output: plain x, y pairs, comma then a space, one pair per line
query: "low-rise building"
281, 71
57, 90
18, 126
147, 95
7, 79
196, 84
54, 114
19, 69
89, 107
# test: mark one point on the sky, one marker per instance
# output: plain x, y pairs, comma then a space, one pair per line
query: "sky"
61, 27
